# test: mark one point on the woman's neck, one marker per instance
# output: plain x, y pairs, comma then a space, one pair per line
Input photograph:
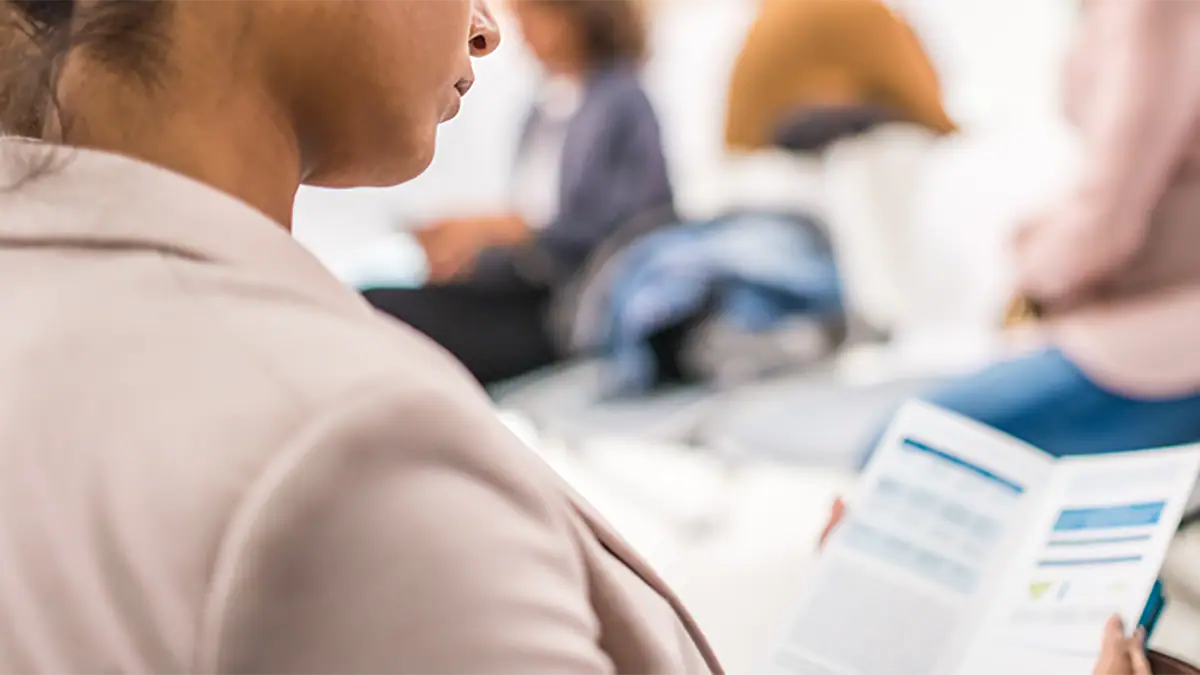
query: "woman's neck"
241, 145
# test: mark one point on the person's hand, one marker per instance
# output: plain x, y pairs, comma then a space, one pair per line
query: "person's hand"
505, 230
1064, 250
1022, 325
1122, 655
453, 244
1020, 311
836, 514
451, 247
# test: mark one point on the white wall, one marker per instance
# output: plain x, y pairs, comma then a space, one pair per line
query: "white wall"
999, 59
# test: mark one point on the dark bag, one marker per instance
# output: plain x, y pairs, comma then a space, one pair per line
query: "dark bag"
1161, 664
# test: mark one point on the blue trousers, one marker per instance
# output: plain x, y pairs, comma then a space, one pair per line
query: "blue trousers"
1046, 401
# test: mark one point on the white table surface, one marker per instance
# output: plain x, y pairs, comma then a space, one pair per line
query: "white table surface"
742, 582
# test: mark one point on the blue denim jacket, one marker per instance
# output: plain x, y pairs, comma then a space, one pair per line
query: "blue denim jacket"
759, 268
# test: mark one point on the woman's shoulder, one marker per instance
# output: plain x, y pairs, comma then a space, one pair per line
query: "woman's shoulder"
371, 392
324, 351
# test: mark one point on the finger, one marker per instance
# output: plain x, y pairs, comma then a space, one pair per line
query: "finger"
432, 244
839, 510
444, 260
436, 241
836, 514
437, 265
1113, 650
454, 261
438, 273
1114, 635
1137, 653
444, 272
439, 253
423, 239
446, 248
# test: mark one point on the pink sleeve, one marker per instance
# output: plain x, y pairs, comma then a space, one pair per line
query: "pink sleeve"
1136, 126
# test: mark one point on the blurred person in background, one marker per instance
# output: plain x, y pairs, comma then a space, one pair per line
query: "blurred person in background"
1109, 274
590, 160
217, 457
810, 70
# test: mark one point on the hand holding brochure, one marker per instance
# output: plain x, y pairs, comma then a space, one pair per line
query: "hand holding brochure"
968, 551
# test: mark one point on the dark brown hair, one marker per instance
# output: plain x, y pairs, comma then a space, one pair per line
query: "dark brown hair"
613, 30
37, 35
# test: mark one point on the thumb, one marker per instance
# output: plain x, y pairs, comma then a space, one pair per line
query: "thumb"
835, 516
1137, 654
1114, 650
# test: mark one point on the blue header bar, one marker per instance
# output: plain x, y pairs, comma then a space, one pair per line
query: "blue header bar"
918, 446
1100, 518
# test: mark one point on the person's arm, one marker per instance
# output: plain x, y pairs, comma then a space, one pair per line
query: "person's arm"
454, 246
405, 533
1137, 126
628, 177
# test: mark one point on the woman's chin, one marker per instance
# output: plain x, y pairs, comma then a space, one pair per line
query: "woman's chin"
378, 169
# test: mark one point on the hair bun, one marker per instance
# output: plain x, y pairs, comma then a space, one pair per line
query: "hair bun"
46, 14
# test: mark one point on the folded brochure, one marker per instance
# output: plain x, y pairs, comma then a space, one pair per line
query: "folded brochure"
965, 550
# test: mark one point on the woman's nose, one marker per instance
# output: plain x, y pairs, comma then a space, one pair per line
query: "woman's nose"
485, 33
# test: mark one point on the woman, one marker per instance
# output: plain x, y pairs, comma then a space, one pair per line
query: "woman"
217, 458
1113, 267
590, 160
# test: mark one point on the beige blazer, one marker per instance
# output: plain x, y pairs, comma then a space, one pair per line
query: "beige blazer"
1117, 259
216, 458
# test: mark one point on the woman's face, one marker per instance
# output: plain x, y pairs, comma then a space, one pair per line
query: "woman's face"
370, 80
549, 33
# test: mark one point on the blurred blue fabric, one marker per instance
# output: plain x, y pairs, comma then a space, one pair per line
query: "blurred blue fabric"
1045, 400
753, 269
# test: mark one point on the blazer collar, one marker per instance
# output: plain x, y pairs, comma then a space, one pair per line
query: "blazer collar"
99, 199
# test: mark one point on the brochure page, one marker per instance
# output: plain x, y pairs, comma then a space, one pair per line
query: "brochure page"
898, 586
1094, 549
